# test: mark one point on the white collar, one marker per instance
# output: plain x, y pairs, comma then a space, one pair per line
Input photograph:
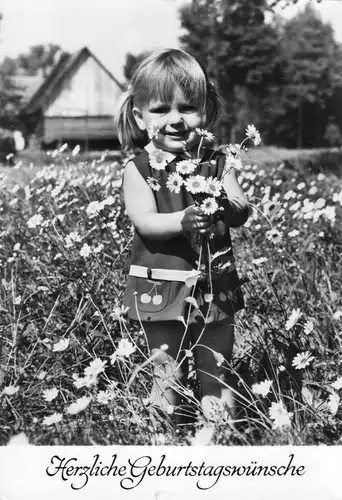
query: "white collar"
169, 157
150, 148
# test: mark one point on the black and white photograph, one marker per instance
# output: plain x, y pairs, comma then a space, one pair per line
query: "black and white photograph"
170, 249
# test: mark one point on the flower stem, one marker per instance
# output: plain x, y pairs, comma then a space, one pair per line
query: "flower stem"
199, 148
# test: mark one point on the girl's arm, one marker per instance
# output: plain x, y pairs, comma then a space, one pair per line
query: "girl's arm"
236, 208
142, 210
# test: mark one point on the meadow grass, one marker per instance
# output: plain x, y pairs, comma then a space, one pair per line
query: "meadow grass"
74, 370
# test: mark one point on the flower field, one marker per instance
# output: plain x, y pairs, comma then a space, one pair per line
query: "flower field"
73, 370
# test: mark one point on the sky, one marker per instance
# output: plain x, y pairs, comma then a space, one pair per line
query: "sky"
109, 28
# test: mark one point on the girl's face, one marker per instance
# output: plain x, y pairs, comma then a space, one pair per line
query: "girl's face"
176, 122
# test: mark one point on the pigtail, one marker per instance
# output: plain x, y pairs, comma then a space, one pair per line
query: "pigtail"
124, 121
214, 101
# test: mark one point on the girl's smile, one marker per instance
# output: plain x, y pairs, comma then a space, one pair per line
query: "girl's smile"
177, 135
175, 121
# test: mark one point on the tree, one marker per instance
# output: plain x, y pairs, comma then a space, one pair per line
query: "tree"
10, 98
312, 69
39, 58
9, 94
239, 49
284, 3
131, 63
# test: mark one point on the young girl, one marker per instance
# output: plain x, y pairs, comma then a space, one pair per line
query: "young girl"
170, 93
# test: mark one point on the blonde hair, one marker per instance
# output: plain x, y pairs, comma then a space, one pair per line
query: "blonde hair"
156, 78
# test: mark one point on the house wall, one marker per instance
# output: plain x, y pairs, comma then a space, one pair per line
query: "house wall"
90, 92
85, 128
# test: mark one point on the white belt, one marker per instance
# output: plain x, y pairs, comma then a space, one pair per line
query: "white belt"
161, 274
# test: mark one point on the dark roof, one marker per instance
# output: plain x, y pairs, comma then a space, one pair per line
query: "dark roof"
65, 68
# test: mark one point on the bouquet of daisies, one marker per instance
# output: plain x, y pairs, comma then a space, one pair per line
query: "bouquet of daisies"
202, 175
205, 191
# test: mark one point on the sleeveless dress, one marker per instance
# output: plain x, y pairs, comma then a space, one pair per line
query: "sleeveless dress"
163, 272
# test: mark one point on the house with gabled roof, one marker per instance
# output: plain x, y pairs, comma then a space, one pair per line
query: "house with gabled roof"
75, 103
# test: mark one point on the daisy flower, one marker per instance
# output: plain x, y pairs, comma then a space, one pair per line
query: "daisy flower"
52, 419
125, 348
110, 200
259, 261
192, 301
337, 384
290, 194
308, 327
104, 397
61, 345
86, 381
274, 236
337, 315
204, 133
209, 206
153, 183
174, 183
280, 416
94, 207
19, 440
119, 312
10, 390
294, 317
79, 405
152, 130
158, 159
253, 134
17, 300
293, 233
203, 436
188, 353
99, 248
313, 190
85, 251
302, 360
75, 236
233, 149
219, 358
185, 167
50, 394
333, 403
35, 221
213, 186
195, 184
263, 388
95, 367
76, 150
233, 162
71, 238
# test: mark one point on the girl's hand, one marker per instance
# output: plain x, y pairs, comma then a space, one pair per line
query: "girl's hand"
195, 221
